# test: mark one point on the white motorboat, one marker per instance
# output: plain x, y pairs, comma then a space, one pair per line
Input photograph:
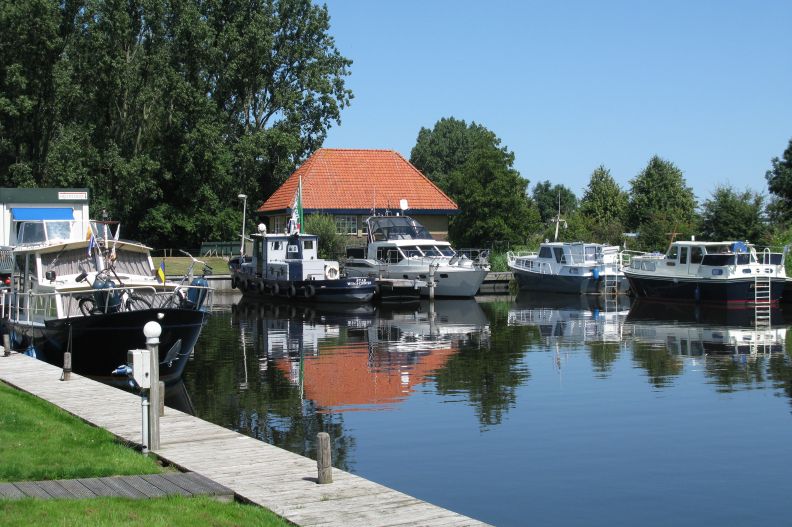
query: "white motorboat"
399, 247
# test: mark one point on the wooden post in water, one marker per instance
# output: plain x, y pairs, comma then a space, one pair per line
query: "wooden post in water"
152, 331
67, 366
324, 463
432, 269
6, 344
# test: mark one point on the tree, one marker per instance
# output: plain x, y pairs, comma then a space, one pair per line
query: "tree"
492, 200
604, 205
660, 204
166, 111
547, 198
331, 244
446, 148
779, 182
732, 215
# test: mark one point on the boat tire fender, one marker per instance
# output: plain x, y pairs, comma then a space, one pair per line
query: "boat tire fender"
275, 289
262, 287
292, 291
309, 291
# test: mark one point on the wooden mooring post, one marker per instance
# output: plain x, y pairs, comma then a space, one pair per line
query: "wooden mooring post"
6, 345
324, 462
162, 398
67, 366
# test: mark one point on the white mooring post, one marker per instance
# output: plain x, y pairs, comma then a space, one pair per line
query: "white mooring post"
152, 331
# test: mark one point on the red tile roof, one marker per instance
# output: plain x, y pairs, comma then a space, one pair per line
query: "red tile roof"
351, 180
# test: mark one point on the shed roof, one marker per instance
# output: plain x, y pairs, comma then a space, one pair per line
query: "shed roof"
357, 181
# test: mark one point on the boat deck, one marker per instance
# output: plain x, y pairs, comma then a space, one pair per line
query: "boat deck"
255, 471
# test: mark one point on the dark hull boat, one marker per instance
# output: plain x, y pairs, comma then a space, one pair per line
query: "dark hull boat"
99, 343
738, 291
344, 290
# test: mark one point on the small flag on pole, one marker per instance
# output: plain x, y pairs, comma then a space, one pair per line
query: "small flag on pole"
161, 271
91, 245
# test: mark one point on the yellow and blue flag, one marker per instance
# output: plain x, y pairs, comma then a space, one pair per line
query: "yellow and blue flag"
161, 271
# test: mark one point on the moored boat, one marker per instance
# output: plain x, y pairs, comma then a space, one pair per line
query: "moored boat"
288, 265
93, 296
399, 247
570, 267
728, 272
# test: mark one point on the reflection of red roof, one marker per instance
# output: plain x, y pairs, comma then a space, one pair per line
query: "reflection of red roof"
352, 180
343, 376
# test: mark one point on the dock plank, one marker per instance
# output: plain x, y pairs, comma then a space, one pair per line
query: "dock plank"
9, 491
253, 470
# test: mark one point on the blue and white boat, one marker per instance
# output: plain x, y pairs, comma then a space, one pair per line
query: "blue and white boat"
570, 267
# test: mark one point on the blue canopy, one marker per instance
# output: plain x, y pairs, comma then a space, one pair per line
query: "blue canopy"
42, 213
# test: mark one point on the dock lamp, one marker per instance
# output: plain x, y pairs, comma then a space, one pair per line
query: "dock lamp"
243, 197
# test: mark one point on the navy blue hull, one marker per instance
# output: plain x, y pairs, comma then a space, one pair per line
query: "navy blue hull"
704, 291
99, 343
344, 290
576, 285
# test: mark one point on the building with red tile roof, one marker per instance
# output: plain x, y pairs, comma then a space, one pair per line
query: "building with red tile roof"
352, 184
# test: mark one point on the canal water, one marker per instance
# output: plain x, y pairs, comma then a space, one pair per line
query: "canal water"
535, 410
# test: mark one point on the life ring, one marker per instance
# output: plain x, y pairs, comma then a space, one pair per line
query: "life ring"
292, 291
331, 273
309, 291
275, 289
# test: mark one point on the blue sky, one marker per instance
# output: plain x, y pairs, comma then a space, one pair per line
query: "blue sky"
568, 86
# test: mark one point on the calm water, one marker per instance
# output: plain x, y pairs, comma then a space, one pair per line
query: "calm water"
550, 411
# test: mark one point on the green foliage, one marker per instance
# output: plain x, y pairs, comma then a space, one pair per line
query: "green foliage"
444, 149
172, 511
660, 204
331, 244
732, 215
779, 182
165, 111
468, 163
604, 205
492, 200
547, 198
41, 441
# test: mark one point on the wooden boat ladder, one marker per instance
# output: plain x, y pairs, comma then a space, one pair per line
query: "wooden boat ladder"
762, 298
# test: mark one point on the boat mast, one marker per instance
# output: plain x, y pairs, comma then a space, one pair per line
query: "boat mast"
558, 219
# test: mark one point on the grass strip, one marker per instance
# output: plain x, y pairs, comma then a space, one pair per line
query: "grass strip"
171, 511
178, 265
40, 441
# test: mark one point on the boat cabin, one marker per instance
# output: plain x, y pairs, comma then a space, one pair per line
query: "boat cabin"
394, 238
687, 257
290, 257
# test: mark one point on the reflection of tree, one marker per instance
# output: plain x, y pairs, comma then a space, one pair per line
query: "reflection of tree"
241, 392
658, 362
780, 367
489, 370
730, 373
603, 355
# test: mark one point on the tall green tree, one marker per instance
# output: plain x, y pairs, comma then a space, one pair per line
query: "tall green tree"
445, 148
732, 215
166, 111
547, 198
660, 205
492, 199
779, 183
604, 205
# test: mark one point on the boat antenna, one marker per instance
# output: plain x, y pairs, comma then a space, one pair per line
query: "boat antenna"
558, 219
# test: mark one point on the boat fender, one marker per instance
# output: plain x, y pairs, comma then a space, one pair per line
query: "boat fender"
595, 273
697, 294
262, 287
275, 289
309, 291
292, 291
234, 282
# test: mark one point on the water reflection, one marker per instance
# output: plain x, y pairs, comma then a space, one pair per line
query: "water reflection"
430, 384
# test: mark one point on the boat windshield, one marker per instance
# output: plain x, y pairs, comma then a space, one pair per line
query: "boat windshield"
42, 231
431, 250
446, 250
411, 250
397, 228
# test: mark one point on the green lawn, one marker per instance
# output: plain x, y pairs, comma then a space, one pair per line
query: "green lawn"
178, 265
41, 441
165, 512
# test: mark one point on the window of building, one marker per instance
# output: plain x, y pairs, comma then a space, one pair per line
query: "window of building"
278, 224
346, 224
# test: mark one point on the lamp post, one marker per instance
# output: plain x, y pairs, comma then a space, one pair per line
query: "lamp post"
243, 197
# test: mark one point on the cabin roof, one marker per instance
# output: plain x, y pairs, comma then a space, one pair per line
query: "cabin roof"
357, 181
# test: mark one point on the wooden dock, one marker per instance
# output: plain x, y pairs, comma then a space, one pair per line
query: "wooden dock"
255, 471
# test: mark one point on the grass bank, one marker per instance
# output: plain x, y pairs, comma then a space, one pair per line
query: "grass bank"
178, 265
41, 441
160, 512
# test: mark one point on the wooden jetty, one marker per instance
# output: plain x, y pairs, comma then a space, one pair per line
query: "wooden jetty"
255, 471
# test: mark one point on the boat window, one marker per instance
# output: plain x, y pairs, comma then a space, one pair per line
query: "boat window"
559, 254
58, 230
718, 259
446, 250
308, 244
276, 246
411, 250
696, 255
389, 254
683, 254
545, 252
673, 252
32, 232
591, 253
743, 259
430, 250
397, 228
292, 249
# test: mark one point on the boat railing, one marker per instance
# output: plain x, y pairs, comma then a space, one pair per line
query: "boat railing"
33, 306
